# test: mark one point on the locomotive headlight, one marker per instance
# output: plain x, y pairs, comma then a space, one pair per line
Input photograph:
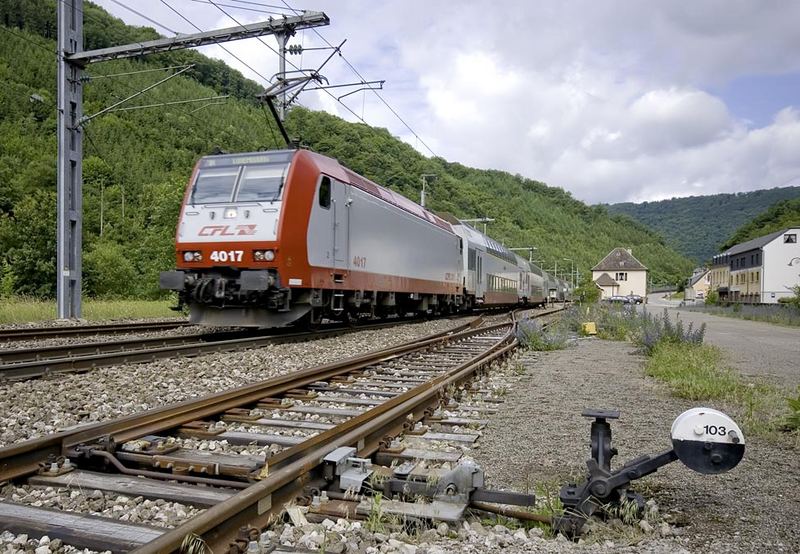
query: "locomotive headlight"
230, 213
192, 256
263, 255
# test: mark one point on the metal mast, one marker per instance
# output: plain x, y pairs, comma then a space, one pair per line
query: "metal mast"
71, 61
70, 154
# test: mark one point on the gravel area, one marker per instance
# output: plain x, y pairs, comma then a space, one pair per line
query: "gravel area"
157, 513
354, 537
91, 339
30, 409
755, 507
82, 322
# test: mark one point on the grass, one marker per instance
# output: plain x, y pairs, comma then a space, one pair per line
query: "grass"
698, 372
692, 371
24, 310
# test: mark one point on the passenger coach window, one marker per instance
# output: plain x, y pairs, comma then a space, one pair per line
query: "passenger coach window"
325, 193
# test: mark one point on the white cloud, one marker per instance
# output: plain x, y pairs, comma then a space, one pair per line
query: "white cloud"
610, 100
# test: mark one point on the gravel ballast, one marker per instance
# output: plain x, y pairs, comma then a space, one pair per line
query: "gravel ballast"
30, 409
537, 441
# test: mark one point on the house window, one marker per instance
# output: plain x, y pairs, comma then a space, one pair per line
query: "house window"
621, 276
790, 238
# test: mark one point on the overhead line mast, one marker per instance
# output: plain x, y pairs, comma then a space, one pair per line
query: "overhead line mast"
71, 61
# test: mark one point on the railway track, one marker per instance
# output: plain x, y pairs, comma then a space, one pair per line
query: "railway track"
34, 362
30, 363
297, 420
37, 333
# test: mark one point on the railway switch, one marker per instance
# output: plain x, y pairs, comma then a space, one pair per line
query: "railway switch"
705, 440
351, 470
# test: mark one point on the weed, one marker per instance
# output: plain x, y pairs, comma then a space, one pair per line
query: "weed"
194, 544
627, 510
654, 331
519, 369
532, 335
376, 522
793, 419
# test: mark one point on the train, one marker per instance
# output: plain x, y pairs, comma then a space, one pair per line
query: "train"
289, 237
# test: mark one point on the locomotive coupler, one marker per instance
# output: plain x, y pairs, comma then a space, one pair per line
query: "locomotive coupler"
705, 440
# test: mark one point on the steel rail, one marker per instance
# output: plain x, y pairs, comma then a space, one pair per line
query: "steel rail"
35, 333
40, 354
256, 505
24, 458
126, 352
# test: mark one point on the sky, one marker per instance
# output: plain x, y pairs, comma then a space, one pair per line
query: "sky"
613, 101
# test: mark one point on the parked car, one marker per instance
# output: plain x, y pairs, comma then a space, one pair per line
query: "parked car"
618, 300
635, 299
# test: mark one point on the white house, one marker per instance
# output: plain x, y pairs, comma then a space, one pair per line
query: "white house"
698, 285
620, 274
765, 269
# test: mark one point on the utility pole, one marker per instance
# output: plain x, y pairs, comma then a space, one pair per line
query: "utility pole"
530, 250
425, 177
72, 59
483, 220
571, 270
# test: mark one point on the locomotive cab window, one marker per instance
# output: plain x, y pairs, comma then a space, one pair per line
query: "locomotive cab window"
262, 183
325, 192
214, 185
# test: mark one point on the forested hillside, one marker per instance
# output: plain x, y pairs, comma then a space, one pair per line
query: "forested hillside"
781, 215
136, 164
697, 226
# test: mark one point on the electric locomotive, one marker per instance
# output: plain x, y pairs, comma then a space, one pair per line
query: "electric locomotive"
267, 239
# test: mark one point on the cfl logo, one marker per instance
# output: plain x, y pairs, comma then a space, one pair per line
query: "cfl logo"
227, 231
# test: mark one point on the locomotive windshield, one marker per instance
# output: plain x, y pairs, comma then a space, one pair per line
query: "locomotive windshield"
246, 182
261, 182
214, 185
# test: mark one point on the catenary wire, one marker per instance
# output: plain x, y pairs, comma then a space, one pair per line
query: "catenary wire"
217, 43
140, 14
291, 63
374, 91
268, 12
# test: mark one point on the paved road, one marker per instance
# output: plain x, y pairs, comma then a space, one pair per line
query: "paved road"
754, 348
